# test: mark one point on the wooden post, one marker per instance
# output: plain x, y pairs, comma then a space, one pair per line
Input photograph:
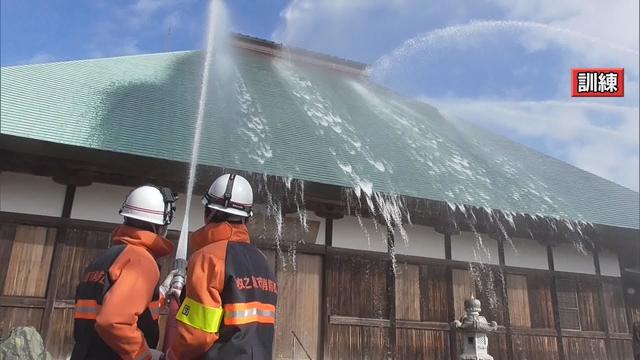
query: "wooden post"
554, 302
447, 246
596, 261
505, 296
56, 267
391, 292
324, 309
451, 310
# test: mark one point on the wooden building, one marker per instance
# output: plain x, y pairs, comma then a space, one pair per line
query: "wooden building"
557, 264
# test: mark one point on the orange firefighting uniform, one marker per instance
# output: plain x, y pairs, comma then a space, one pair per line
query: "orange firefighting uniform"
230, 304
117, 301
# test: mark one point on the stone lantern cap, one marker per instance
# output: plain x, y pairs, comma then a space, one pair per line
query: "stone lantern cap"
472, 321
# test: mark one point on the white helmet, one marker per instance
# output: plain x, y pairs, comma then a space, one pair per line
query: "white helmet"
230, 193
151, 204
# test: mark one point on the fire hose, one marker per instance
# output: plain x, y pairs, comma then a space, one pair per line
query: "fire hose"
177, 284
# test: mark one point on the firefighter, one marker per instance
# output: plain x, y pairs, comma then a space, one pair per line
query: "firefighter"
230, 304
118, 299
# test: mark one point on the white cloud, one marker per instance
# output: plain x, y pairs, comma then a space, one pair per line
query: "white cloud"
600, 136
567, 129
614, 21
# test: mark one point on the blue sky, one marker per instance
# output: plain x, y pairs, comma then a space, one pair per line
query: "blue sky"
512, 78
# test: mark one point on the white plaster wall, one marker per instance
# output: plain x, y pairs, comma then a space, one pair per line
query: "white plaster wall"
29, 194
311, 217
567, 258
347, 233
609, 265
526, 253
423, 241
465, 247
320, 237
101, 202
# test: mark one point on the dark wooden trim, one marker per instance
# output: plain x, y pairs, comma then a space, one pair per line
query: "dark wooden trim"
328, 233
57, 222
501, 258
596, 261
552, 265
603, 309
620, 336
22, 302
524, 271
565, 274
506, 312
356, 321
324, 310
69, 195
419, 260
516, 330
554, 303
56, 266
453, 339
422, 325
361, 253
447, 246
311, 249
583, 334
391, 292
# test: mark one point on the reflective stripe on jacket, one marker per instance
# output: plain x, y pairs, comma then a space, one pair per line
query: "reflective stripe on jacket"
117, 301
230, 305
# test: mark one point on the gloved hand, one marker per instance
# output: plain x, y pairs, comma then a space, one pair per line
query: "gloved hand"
156, 354
165, 288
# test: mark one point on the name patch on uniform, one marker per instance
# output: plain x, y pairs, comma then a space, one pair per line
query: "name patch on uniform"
252, 282
185, 310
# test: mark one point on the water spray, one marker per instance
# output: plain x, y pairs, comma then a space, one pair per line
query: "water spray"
215, 26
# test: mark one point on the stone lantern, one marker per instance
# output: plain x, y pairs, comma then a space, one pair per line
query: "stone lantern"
474, 329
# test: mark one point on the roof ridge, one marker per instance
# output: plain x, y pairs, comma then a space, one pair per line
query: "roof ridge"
241, 38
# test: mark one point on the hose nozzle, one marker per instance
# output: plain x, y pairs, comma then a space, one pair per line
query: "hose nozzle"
179, 278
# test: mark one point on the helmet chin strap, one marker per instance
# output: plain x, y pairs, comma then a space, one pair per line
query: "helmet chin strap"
228, 192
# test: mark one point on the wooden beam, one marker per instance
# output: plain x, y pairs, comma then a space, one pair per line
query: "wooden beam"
620, 336
56, 267
324, 295
422, 325
356, 321
453, 339
596, 260
583, 334
505, 311
447, 246
22, 302
501, 259
554, 303
533, 331
328, 234
391, 292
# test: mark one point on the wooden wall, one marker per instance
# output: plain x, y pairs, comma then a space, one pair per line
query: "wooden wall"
341, 304
358, 307
299, 308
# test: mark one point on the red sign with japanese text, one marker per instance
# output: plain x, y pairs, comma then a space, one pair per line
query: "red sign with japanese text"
597, 82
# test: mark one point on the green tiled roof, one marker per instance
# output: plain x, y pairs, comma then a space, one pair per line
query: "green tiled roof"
267, 115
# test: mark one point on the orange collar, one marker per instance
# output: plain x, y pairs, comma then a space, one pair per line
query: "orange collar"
214, 232
157, 245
